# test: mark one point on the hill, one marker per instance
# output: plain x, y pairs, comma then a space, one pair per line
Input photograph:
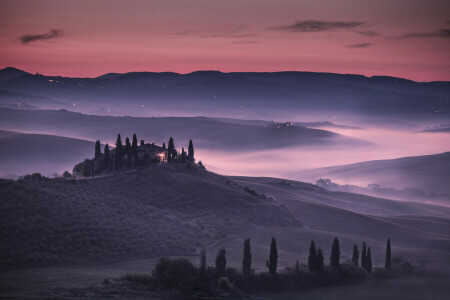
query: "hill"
207, 133
170, 209
28, 153
9, 73
241, 94
428, 172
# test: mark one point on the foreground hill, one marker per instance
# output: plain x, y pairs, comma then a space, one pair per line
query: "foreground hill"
428, 172
28, 153
163, 210
204, 92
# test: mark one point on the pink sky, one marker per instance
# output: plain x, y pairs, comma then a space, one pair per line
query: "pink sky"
408, 37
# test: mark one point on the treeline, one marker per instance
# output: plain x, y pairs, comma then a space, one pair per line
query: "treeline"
130, 155
182, 276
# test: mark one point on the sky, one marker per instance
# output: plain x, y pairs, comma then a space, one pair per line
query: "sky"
402, 38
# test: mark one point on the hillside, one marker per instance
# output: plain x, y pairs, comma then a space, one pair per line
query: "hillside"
207, 133
232, 94
29, 153
163, 210
428, 172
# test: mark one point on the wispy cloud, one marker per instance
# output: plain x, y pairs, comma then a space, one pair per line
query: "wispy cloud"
442, 33
317, 25
368, 33
28, 38
361, 45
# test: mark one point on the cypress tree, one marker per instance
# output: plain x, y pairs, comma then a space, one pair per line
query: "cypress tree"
171, 151
312, 257
191, 151
128, 151
134, 149
118, 153
319, 260
369, 261
355, 256
363, 256
183, 155
387, 263
107, 159
221, 262
335, 253
164, 145
142, 142
98, 151
247, 260
203, 261
296, 266
273, 257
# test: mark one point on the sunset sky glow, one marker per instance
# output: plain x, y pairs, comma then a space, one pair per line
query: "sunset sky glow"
403, 38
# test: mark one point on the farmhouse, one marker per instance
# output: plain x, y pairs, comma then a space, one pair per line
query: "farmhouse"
152, 152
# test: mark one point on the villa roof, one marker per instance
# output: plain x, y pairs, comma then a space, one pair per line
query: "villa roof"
150, 147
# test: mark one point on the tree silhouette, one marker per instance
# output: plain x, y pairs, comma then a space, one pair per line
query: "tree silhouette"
142, 143
312, 257
273, 257
221, 262
319, 260
247, 260
369, 261
107, 159
296, 266
134, 149
363, 256
183, 155
355, 256
118, 153
202, 267
387, 263
128, 151
191, 151
98, 151
171, 151
335, 253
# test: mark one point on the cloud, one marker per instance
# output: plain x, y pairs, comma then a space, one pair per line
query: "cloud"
442, 33
362, 45
368, 33
28, 38
316, 26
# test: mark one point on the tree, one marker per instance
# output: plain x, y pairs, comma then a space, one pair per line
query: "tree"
363, 256
312, 257
107, 159
98, 151
191, 151
355, 256
202, 267
247, 260
171, 151
387, 263
319, 260
273, 257
118, 153
128, 151
221, 262
183, 155
296, 266
134, 149
164, 145
335, 253
369, 261
142, 142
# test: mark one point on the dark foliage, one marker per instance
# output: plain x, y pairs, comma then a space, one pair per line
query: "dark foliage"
312, 260
335, 253
191, 151
98, 151
247, 260
388, 262
363, 256
221, 262
355, 256
369, 261
273, 257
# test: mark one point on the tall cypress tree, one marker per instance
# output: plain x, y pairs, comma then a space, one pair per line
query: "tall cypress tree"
247, 260
118, 153
335, 253
171, 151
363, 256
355, 256
98, 151
369, 261
128, 151
296, 266
107, 159
142, 142
202, 267
319, 260
273, 257
191, 151
221, 262
312, 257
388, 262
134, 149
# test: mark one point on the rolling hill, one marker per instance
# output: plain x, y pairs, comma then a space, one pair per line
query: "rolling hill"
428, 172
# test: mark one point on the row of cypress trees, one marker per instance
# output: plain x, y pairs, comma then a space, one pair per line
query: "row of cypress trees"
315, 258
